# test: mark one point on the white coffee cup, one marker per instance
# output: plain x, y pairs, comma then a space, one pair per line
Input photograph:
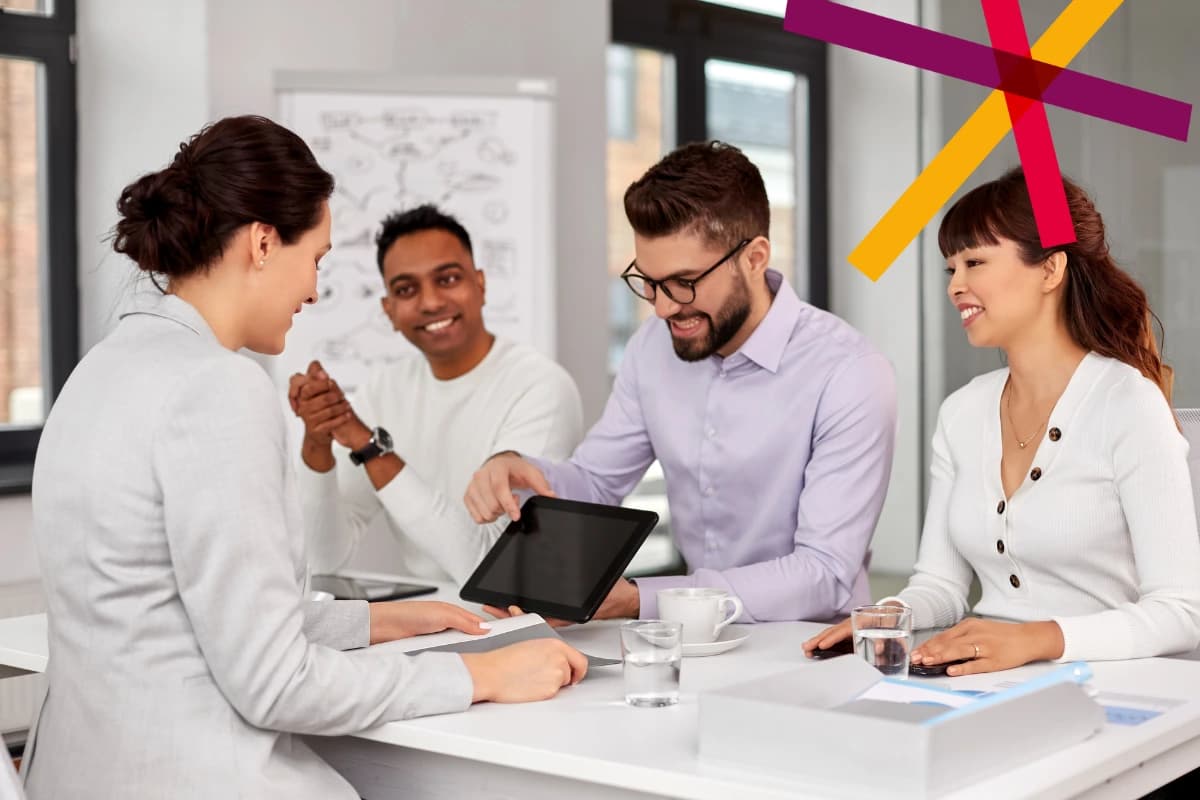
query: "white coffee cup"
701, 610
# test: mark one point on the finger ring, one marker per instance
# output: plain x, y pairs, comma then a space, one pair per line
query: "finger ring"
976, 650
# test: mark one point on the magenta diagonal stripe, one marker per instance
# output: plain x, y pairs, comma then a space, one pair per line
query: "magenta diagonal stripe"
1031, 129
977, 63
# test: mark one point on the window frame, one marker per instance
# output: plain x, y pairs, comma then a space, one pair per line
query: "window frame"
693, 32
50, 41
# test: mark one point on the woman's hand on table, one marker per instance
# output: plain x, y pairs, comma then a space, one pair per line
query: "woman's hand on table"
991, 646
404, 618
525, 672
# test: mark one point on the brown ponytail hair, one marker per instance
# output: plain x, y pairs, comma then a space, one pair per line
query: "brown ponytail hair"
1105, 310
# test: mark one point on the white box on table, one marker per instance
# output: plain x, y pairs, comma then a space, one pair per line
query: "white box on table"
804, 723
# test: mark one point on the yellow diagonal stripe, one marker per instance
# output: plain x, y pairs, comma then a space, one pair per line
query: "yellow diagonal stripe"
978, 136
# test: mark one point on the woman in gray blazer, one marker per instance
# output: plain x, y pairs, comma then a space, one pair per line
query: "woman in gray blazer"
183, 652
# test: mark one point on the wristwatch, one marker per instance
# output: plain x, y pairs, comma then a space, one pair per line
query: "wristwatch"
380, 444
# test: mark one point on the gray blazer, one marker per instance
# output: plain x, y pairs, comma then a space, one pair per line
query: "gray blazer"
183, 654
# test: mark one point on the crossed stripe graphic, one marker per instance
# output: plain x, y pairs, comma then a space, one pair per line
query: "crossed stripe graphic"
1024, 79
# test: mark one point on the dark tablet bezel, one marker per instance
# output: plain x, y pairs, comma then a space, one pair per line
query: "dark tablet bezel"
646, 520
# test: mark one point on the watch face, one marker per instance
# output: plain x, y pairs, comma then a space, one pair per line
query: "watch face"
383, 439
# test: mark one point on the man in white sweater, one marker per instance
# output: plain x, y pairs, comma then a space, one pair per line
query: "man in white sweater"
420, 426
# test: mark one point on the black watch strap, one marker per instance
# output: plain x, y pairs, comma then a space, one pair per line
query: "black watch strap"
381, 442
365, 454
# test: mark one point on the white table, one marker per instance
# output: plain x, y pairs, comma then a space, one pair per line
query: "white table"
23, 645
587, 743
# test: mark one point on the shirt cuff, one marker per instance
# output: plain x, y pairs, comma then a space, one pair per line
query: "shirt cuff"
1094, 637
444, 686
544, 466
648, 589
339, 624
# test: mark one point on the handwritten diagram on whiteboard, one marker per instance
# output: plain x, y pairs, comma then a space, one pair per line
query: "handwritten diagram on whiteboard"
483, 156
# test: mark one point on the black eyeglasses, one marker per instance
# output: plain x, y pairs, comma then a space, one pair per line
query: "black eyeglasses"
681, 290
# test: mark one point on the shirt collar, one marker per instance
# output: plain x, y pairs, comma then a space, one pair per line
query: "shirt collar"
768, 341
168, 306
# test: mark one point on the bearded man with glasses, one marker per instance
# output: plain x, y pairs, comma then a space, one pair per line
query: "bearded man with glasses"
774, 421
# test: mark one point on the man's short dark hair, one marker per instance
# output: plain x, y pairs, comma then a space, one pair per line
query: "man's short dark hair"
422, 218
707, 188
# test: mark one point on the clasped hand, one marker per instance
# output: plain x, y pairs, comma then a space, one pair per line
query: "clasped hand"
322, 405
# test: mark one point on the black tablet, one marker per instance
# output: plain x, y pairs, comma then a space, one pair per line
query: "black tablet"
560, 559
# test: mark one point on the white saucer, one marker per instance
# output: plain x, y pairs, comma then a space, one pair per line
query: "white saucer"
730, 638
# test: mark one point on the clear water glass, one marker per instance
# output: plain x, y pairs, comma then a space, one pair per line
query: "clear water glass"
651, 652
883, 637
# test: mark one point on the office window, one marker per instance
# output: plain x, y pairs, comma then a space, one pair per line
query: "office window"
20, 312
38, 303
775, 8
31, 7
764, 111
643, 109
622, 93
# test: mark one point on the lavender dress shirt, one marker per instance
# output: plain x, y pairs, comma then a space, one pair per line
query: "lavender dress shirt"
776, 458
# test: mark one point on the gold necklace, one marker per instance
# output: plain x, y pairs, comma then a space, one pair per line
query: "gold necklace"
1008, 406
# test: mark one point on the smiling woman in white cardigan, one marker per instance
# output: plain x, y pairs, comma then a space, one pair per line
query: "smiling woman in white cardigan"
1062, 480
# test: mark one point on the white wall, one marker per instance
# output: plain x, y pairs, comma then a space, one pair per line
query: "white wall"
139, 96
874, 155
565, 41
20, 561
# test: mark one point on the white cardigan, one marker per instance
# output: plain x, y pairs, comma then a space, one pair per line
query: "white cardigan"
1103, 541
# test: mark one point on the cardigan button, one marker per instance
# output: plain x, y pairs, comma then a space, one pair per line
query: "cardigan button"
1037, 473
1015, 581
1000, 508
1000, 546
1055, 434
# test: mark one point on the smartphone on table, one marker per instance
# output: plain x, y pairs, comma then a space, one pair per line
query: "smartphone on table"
843, 648
933, 670
344, 588
846, 647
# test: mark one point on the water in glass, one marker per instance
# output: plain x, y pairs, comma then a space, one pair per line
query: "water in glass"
886, 649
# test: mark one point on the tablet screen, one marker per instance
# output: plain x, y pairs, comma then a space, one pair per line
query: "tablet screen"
561, 554
564, 556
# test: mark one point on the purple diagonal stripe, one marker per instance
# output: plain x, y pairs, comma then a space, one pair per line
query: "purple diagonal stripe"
976, 63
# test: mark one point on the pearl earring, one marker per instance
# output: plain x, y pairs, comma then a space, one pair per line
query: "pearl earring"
262, 261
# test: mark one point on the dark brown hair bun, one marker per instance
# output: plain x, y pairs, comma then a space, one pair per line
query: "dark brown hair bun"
178, 221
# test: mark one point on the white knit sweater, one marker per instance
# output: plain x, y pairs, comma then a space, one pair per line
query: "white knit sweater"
1104, 542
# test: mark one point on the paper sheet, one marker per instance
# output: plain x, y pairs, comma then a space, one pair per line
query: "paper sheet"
1123, 709
504, 632
908, 692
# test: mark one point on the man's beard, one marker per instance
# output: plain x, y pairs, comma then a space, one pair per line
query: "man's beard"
729, 320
